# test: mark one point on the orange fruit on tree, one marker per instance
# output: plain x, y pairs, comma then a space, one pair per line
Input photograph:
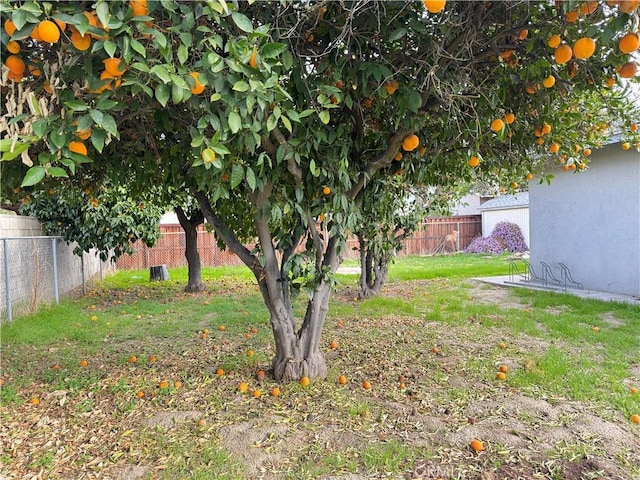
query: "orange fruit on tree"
342, 379
509, 118
476, 445
523, 34
9, 27
366, 385
15, 64
628, 6
81, 42
112, 65
545, 129
78, 147
398, 156
48, 31
529, 176
434, 6
208, 155
497, 125
589, 7
586, 152
628, 70
139, 7
554, 41
584, 48
610, 82
549, 82
629, 43
531, 88
410, 143
304, 381
198, 88
626, 146
514, 185
326, 190
253, 63
563, 54
474, 161
635, 418
572, 16
633, 127
554, 147
391, 87
13, 47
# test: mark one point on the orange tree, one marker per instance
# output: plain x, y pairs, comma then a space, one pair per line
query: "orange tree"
279, 113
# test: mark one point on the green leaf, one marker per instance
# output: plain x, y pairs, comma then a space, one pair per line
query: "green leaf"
57, 139
106, 104
84, 122
98, 116
161, 72
17, 150
162, 94
242, 22
272, 50
237, 175
97, 139
177, 93
287, 123
251, 178
138, 47
102, 11
272, 122
57, 172
34, 175
241, 86
235, 122
109, 124
40, 127
183, 54
109, 47
398, 34
325, 116
76, 105
67, 162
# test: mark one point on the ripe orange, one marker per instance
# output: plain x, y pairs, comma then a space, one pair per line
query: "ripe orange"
55, 366
177, 384
81, 42
112, 65
545, 129
502, 345
523, 34
572, 16
140, 394
549, 82
629, 42
222, 328
626, 146
410, 143
78, 147
34, 401
610, 82
163, 384
584, 48
563, 54
15, 64
586, 152
391, 87
633, 127
635, 418
139, 7
435, 350
304, 381
334, 345
398, 156
554, 41
366, 385
633, 390
198, 88
503, 368
250, 353
342, 379
275, 392
84, 134
474, 161
628, 70
628, 6
253, 63
497, 125
509, 118
588, 7
529, 176
434, 6
48, 31
9, 27
256, 393
326, 190
514, 185
133, 359
13, 47
83, 363
554, 147
153, 359
243, 387
476, 445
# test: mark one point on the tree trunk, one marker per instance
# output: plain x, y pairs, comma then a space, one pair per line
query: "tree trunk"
190, 227
373, 271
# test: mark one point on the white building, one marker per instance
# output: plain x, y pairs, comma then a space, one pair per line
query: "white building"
506, 208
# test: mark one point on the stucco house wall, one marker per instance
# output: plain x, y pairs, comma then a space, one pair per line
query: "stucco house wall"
590, 221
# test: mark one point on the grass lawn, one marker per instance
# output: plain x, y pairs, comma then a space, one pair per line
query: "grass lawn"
139, 380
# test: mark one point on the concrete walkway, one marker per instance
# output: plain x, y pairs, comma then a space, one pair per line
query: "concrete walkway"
507, 281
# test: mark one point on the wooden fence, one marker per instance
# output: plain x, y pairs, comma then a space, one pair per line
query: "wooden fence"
430, 238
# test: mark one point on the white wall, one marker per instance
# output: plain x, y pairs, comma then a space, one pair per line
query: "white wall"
17, 226
591, 221
519, 216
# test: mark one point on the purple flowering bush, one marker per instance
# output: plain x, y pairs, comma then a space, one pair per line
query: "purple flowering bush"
506, 236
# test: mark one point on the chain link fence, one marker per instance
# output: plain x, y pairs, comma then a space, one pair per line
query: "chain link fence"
37, 270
